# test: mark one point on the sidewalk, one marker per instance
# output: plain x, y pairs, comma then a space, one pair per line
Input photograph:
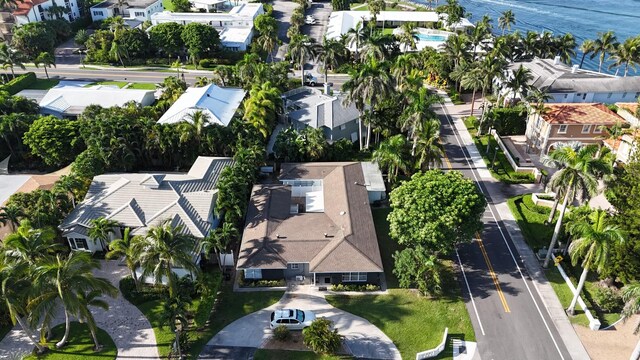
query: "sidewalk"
499, 195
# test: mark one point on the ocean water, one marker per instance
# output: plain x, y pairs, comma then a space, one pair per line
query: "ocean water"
583, 18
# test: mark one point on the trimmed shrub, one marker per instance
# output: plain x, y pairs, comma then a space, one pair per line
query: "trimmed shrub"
608, 300
145, 294
19, 83
205, 63
527, 201
510, 120
319, 337
355, 287
281, 333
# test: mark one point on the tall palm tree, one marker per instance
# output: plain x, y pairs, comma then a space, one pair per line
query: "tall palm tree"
404, 65
473, 80
126, 249
408, 36
605, 44
330, 53
429, 149
62, 279
587, 47
391, 156
595, 238
14, 288
631, 297
163, 248
378, 46
356, 36
578, 176
219, 240
418, 113
101, 229
565, 47
10, 58
174, 313
29, 245
375, 7
627, 54
519, 81
303, 48
11, 214
260, 109
456, 49
85, 300
68, 185
506, 20
193, 126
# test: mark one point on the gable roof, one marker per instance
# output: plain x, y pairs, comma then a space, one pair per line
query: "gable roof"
580, 113
561, 78
631, 107
315, 109
341, 238
140, 201
219, 103
73, 99
24, 6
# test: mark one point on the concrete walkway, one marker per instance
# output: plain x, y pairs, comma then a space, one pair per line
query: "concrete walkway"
127, 326
499, 193
363, 339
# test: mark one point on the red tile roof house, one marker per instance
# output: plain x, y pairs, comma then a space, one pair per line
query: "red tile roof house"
317, 223
563, 122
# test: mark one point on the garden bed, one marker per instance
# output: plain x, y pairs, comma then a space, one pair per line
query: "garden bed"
531, 219
80, 345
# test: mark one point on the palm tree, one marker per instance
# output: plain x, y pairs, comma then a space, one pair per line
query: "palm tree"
356, 36
192, 127
202, 81
219, 240
595, 238
117, 52
627, 54
85, 300
587, 47
391, 156
303, 48
605, 44
119, 5
457, 49
519, 81
175, 315
126, 249
29, 245
68, 185
375, 7
429, 150
260, 109
408, 36
506, 20
578, 176
11, 214
473, 80
631, 297
404, 65
330, 53
63, 279
163, 248
418, 113
101, 229
565, 47
14, 287
10, 57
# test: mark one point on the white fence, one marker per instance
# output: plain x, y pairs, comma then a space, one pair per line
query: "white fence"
507, 153
594, 324
435, 351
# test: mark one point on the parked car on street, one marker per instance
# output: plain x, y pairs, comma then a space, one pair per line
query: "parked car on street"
293, 319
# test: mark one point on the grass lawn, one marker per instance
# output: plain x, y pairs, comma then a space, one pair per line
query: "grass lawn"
531, 220
142, 86
402, 314
267, 354
565, 295
80, 344
121, 84
43, 84
168, 5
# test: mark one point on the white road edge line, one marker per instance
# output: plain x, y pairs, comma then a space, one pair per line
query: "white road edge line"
455, 134
470, 294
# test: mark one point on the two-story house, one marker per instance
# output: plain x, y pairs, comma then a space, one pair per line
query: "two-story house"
140, 10
582, 122
28, 11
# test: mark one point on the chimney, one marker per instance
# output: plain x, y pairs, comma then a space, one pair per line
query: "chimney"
556, 60
574, 69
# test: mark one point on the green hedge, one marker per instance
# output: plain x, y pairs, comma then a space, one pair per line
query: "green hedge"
19, 83
145, 294
355, 287
510, 121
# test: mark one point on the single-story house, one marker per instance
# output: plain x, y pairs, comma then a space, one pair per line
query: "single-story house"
70, 101
570, 84
315, 223
564, 122
220, 104
143, 200
309, 107
140, 10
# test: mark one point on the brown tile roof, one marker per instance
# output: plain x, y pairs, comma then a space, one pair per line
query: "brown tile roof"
631, 107
580, 113
23, 7
340, 239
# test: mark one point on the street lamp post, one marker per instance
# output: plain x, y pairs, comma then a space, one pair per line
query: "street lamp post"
493, 163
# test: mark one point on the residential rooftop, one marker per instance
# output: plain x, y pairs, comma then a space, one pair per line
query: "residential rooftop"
315, 109
129, 4
219, 103
580, 113
73, 100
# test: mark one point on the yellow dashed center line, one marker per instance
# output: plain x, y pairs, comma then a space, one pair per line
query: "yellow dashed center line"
493, 275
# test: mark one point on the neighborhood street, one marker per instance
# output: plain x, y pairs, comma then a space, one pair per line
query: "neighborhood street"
509, 317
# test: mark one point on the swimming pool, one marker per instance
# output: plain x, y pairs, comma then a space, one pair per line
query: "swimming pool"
427, 37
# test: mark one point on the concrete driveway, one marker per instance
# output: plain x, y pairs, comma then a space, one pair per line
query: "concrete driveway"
363, 339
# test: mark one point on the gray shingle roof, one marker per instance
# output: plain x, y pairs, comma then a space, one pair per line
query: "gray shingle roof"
143, 200
341, 238
315, 109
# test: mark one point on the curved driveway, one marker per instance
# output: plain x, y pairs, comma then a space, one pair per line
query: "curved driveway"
363, 339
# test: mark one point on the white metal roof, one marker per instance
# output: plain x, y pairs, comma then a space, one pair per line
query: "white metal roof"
60, 99
220, 104
235, 35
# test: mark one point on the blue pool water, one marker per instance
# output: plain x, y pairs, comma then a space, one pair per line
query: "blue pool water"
425, 37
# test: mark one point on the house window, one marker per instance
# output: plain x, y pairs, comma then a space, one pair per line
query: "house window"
586, 129
624, 95
343, 126
584, 96
253, 273
565, 95
139, 13
295, 266
562, 129
97, 13
78, 244
597, 130
354, 276
609, 95
354, 136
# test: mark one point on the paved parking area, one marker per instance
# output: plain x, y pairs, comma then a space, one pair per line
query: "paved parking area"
363, 339
321, 12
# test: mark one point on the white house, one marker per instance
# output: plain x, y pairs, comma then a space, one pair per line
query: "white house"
235, 27
569, 84
70, 101
140, 10
218, 103
28, 11
208, 5
140, 201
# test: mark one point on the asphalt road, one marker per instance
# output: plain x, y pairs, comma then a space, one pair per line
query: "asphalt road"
508, 316
69, 73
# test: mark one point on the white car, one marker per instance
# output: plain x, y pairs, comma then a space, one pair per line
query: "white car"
293, 319
310, 21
